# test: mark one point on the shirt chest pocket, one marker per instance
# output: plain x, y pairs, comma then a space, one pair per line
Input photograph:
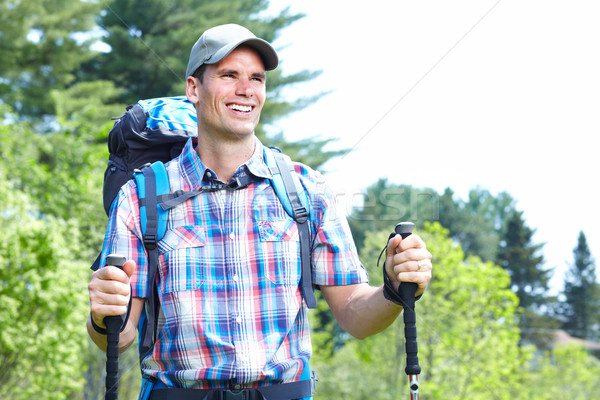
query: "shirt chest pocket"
181, 252
281, 251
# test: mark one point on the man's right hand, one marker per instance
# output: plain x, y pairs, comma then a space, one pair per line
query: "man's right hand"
109, 291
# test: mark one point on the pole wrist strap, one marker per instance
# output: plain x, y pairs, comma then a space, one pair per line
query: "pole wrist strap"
98, 329
390, 293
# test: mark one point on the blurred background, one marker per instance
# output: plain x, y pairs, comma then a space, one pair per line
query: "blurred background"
474, 119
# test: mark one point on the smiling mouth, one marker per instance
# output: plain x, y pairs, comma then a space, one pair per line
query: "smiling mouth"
239, 107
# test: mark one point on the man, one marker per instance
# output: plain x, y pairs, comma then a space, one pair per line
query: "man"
232, 314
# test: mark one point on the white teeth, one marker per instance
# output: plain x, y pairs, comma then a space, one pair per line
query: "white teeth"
238, 107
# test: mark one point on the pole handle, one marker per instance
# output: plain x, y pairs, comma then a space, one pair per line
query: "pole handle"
113, 329
407, 291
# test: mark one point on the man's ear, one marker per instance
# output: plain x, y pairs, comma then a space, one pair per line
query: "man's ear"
191, 89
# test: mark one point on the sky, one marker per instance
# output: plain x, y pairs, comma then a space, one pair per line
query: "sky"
502, 95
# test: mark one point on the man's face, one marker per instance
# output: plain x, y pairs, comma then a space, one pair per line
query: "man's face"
231, 96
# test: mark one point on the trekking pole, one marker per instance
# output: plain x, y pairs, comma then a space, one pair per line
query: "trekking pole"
407, 295
113, 329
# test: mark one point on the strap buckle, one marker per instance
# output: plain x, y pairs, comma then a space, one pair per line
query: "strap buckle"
150, 241
301, 214
239, 394
139, 169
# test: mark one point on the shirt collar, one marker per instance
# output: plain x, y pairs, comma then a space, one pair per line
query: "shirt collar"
196, 172
256, 164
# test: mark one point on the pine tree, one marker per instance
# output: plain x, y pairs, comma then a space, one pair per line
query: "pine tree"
40, 48
520, 257
581, 307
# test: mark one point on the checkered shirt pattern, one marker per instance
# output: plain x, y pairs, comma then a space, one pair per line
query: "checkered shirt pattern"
228, 278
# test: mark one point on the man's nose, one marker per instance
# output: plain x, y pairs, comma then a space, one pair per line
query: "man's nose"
244, 88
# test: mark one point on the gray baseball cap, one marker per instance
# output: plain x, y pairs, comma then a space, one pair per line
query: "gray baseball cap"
216, 43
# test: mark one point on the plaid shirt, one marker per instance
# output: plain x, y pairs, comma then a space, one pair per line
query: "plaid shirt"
232, 311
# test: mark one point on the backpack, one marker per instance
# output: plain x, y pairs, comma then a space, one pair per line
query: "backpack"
152, 132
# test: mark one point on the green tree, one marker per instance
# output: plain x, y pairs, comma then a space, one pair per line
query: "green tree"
451, 216
86, 110
62, 174
581, 308
150, 44
521, 258
43, 300
567, 372
478, 223
41, 48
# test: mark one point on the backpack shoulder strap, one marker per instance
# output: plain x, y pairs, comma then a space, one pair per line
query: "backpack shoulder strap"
152, 183
286, 184
294, 198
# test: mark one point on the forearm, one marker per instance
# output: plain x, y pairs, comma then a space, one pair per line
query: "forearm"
361, 310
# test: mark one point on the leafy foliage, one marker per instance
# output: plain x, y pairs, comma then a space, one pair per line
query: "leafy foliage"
62, 174
43, 300
567, 372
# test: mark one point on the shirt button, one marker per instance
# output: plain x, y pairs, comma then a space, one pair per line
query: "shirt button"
232, 236
236, 278
238, 320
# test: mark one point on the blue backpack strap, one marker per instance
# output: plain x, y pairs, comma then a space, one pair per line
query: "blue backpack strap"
152, 183
294, 198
